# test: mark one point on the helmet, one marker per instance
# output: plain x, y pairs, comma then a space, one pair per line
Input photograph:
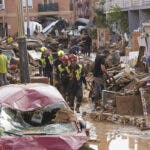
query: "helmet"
64, 58
43, 49
60, 53
13, 67
73, 57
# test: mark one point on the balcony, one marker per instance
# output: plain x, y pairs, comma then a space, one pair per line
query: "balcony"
48, 7
127, 4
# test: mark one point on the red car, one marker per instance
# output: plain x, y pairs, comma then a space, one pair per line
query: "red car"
27, 115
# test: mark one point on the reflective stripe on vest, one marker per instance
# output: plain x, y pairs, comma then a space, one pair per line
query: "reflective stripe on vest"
50, 58
60, 68
43, 62
77, 72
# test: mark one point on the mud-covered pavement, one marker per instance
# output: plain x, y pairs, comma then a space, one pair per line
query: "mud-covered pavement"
111, 136
118, 137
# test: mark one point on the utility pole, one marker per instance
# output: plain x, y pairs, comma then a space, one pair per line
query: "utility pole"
27, 12
24, 70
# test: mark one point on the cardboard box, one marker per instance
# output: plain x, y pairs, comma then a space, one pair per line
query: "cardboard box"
129, 105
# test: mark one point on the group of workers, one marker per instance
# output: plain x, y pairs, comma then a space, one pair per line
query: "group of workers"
68, 75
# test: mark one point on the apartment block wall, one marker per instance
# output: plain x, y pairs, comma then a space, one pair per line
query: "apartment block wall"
133, 18
138, 11
9, 14
144, 16
64, 5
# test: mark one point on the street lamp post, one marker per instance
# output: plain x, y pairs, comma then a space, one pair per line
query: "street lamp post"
24, 71
27, 12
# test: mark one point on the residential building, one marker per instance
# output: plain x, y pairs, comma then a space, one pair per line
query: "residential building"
36, 8
83, 8
138, 11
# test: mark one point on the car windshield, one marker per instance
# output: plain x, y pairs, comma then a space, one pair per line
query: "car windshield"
9, 53
41, 121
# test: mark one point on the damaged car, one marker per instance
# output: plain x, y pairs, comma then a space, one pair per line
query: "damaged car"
36, 116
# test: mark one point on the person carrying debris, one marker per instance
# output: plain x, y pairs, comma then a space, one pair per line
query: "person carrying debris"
98, 73
3, 69
45, 68
76, 77
63, 76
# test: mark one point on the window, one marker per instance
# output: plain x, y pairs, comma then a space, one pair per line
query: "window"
30, 3
2, 4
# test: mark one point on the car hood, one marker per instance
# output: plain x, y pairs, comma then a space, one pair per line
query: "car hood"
53, 142
29, 97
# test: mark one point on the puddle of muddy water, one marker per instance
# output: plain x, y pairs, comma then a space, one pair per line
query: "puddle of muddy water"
117, 137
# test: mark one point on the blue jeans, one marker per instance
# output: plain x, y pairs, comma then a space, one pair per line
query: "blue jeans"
99, 85
3, 79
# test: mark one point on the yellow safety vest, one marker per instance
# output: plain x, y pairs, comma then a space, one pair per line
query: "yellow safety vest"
43, 62
3, 63
77, 72
61, 68
10, 40
50, 57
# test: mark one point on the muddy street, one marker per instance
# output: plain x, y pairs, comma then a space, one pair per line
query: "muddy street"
111, 136
114, 136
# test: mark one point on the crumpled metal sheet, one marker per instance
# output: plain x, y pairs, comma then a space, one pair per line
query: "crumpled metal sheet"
30, 96
54, 142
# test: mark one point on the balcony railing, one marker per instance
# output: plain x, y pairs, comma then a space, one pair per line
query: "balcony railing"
128, 4
48, 7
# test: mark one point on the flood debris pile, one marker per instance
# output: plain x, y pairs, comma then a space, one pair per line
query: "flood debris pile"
139, 122
126, 99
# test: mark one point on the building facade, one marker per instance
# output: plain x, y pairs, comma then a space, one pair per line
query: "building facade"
83, 8
36, 8
138, 11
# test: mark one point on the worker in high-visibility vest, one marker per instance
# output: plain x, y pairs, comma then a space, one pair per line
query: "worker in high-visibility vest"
3, 69
46, 64
76, 78
63, 76
57, 62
